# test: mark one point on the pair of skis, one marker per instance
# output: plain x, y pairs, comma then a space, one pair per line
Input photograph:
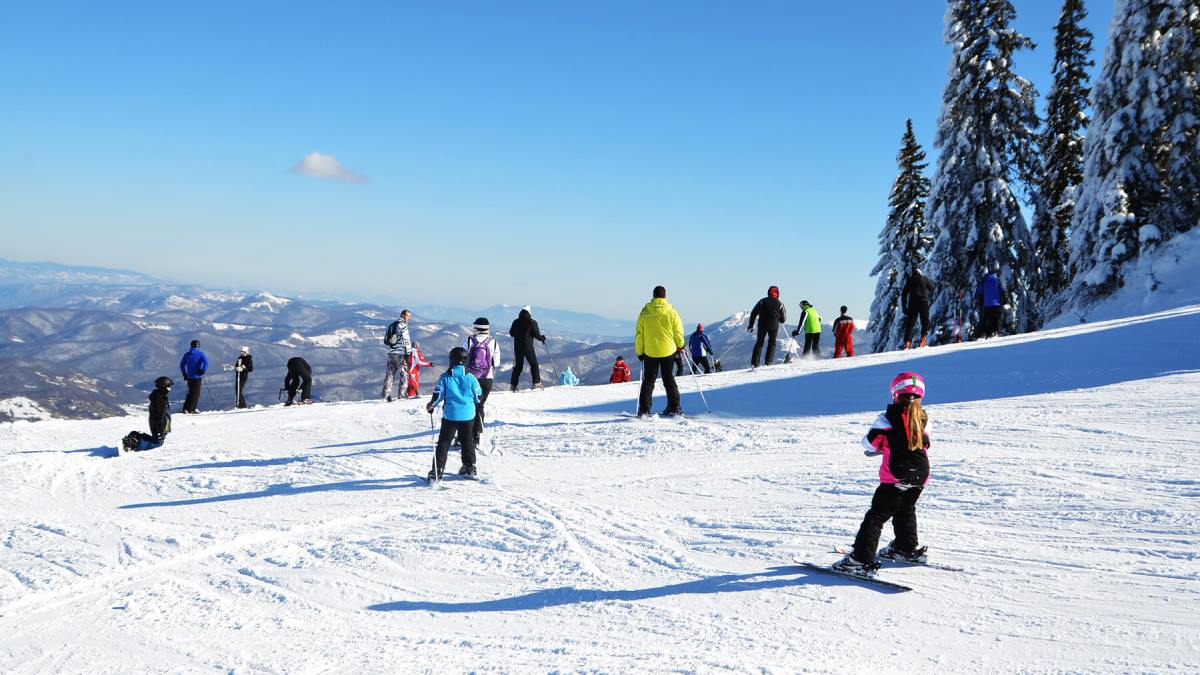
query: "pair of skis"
871, 578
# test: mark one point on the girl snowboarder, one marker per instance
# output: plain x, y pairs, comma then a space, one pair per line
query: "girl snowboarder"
901, 435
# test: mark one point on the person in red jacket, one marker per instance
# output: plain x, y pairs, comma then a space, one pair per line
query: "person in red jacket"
843, 335
415, 361
620, 371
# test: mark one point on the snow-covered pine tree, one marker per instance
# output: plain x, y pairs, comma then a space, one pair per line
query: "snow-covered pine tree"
903, 243
1140, 176
1061, 154
987, 134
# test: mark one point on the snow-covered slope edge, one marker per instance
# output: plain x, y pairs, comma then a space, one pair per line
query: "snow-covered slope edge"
299, 539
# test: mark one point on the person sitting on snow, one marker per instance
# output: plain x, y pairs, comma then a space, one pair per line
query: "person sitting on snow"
160, 419
568, 378
620, 371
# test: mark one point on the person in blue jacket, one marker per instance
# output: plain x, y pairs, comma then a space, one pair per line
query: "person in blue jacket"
700, 347
192, 366
992, 296
568, 378
457, 391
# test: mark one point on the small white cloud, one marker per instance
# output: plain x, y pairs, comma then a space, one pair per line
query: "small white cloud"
320, 165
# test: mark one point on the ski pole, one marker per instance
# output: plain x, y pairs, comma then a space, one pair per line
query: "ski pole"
433, 434
552, 363
692, 367
733, 344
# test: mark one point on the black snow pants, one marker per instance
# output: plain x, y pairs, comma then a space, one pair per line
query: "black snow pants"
193, 395
990, 325
241, 388
769, 336
486, 385
889, 502
519, 357
910, 320
650, 370
466, 437
812, 345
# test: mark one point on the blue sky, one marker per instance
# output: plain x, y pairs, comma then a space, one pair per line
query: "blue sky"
566, 155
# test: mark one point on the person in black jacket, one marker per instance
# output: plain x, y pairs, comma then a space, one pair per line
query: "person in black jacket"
914, 302
524, 331
299, 376
160, 419
242, 369
770, 314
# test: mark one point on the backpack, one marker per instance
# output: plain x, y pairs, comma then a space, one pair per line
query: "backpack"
393, 335
479, 356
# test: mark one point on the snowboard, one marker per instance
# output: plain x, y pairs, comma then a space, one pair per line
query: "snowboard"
900, 562
868, 579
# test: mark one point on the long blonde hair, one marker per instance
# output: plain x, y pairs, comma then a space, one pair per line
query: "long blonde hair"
917, 419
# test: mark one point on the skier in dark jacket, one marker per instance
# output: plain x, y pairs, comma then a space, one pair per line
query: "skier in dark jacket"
241, 370
160, 419
192, 366
299, 376
770, 314
914, 302
992, 297
524, 331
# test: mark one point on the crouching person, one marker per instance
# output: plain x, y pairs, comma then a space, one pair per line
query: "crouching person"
160, 419
457, 391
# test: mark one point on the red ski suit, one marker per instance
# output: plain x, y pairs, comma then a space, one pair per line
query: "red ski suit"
415, 361
843, 336
620, 373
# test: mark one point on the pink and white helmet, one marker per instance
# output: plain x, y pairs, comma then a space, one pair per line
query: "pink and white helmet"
907, 383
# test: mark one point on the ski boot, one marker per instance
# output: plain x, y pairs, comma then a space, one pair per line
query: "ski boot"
671, 412
433, 476
467, 471
851, 565
914, 557
922, 340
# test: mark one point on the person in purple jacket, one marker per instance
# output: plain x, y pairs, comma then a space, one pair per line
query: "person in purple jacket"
192, 366
992, 297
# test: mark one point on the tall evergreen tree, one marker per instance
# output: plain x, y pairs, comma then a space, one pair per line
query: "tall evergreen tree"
1141, 182
1061, 154
903, 243
987, 134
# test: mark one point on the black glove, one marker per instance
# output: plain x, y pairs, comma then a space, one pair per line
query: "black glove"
796, 333
641, 357
542, 338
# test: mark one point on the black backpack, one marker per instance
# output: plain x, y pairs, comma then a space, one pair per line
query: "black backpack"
393, 335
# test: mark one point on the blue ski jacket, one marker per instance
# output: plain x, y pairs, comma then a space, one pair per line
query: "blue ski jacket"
459, 391
699, 338
568, 378
193, 364
991, 291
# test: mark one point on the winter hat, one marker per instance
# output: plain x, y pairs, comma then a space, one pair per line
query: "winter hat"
527, 308
700, 327
458, 356
844, 309
195, 344
482, 325
773, 292
907, 383
245, 350
804, 303
164, 382
660, 292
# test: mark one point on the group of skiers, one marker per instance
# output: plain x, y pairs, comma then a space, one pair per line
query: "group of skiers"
770, 314
991, 297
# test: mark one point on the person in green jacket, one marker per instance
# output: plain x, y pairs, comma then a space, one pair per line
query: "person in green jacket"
658, 338
810, 325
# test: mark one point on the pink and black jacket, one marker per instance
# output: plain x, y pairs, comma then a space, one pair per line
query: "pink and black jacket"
887, 437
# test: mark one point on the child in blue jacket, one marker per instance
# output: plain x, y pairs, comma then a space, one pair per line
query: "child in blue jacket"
458, 391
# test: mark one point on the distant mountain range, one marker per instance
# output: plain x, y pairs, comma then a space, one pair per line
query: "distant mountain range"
86, 342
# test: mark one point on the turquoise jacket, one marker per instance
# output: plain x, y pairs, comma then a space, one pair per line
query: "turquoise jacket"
568, 378
458, 391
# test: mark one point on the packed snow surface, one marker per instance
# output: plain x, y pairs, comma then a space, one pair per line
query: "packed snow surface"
301, 539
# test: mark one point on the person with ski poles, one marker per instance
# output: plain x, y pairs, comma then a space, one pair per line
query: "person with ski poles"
810, 325
192, 366
241, 370
524, 331
992, 296
483, 360
657, 339
914, 302
299, 378
901, 436
415, 361
458, 392
399, 344
770, 314
700, 348
843, 334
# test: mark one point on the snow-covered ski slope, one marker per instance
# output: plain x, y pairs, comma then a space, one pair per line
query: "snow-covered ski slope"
301, 540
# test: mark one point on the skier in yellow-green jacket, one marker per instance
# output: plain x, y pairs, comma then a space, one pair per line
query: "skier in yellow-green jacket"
658, 338
810, 325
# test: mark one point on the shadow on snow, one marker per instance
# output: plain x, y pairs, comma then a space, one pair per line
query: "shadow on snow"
290, 490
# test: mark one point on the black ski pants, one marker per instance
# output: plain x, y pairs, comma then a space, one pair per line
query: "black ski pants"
990, 324
519, 357
299, 381
193, 395
701, 362
465, 430
812, 345
486, 385
650, 370
898, 505
241, 388
910, 320
769, 336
